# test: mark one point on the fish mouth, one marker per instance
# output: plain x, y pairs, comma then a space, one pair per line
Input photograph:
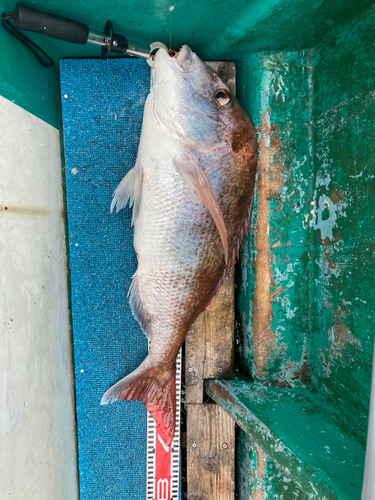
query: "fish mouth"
184, 59
184, 54
181, 60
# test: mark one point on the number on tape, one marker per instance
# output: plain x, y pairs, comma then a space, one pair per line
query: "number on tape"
162, 489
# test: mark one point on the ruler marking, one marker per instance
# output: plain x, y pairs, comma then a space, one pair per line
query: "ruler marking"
163, 463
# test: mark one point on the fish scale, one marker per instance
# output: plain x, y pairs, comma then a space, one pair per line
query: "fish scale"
192, 189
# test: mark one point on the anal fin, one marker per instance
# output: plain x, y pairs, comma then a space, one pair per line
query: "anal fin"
137, 307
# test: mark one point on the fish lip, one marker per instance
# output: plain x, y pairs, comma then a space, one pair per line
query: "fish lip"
182, 61
184, 54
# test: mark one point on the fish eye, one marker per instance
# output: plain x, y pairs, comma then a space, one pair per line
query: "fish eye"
223, 97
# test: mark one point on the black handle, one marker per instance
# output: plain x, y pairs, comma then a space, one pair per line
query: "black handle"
59, 27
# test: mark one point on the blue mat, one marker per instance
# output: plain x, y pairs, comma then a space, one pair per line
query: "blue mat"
102, 106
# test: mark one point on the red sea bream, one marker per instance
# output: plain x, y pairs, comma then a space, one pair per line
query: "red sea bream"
191, 190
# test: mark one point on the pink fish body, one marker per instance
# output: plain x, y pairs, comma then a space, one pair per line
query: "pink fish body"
191, 191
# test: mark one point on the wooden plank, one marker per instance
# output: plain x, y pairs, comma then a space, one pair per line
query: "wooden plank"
210, 453
195, 349
297, 430
209, 347
219, 322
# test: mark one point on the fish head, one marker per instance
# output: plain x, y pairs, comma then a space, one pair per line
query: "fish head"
192, 103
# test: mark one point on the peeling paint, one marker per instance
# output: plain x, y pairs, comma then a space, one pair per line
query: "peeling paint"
268, 182
320, 238
259, 473
325, 217
285, 183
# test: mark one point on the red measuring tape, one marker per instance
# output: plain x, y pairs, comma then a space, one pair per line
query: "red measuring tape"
163, 462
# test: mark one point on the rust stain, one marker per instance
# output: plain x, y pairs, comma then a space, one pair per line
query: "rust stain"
275, 165
277, 291
340, 313
325, 364
332, 264
339, 338
336, 195
282, 384
303, 373
258, 492
287, 259
269, 183
326, 241
337, 235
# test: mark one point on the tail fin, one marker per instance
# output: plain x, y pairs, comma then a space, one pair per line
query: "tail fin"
157, 390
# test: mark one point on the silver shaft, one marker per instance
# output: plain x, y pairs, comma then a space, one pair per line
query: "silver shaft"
97, 38
134, 51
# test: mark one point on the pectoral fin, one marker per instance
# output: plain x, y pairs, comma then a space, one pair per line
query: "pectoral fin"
129, 190
197, 181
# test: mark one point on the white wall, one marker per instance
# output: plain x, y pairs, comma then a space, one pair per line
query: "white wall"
37, 426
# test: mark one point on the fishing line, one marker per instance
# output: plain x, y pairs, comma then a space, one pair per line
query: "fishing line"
170, 8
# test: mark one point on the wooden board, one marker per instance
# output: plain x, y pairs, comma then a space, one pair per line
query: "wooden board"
210, 343
210, 453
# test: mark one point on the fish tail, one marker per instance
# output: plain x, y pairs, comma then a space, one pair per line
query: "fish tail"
156, 389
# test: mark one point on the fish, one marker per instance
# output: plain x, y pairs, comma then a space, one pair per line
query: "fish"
191, 190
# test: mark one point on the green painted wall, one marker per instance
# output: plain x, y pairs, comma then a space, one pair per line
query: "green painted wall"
320, 103
260, 478
214, 29
345, 180
283, 90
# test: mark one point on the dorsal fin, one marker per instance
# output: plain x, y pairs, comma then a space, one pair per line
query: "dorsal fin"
197, 181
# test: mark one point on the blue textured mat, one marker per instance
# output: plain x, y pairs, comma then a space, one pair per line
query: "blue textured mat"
102, 104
